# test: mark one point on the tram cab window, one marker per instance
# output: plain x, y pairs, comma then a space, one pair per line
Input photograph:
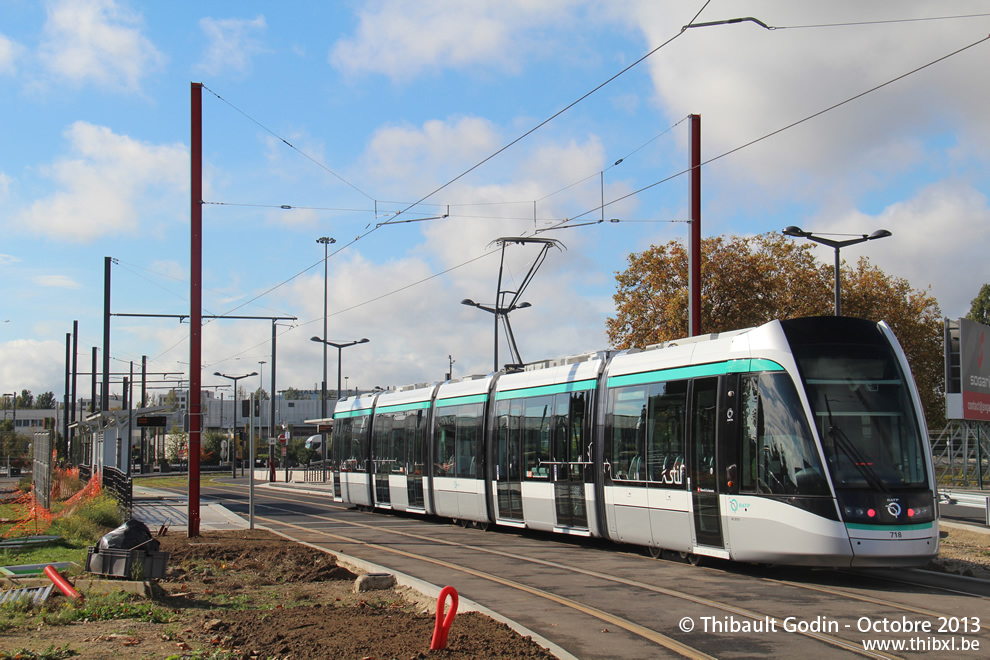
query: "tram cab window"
350, 445
779, 456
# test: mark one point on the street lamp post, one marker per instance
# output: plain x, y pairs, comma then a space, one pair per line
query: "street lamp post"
233, 447
797, 232
325, 241
502, 313
340, 346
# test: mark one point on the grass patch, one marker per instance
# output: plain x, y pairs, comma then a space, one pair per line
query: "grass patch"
79, 530
51, 653
180, 482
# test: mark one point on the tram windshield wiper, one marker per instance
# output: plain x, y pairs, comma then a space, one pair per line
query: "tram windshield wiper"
842, 441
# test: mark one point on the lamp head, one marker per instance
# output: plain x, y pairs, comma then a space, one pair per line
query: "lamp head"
468, 301
316, 339
880, 233
217, 373
523, 305
794, 231
363, 340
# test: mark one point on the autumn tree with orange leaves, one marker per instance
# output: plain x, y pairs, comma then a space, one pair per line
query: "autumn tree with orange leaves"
748, 281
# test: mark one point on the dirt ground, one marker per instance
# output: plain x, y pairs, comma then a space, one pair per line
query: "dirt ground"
253, 594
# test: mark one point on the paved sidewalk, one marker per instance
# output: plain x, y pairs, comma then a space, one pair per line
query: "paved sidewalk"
158, 507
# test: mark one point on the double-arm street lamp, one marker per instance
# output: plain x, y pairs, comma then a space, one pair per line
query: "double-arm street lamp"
502, 313
340, 346
233, 444
797, 232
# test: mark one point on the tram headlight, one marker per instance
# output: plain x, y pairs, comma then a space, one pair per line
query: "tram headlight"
871, 513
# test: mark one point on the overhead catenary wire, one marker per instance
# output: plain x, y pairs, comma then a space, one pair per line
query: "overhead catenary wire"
288, 144
787, 127
376, 227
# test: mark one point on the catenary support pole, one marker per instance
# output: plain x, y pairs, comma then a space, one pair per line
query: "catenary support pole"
694, 247
196, 300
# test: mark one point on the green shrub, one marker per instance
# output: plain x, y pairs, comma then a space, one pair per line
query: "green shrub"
90, 521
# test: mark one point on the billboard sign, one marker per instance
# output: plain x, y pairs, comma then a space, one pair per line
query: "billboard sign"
974, 363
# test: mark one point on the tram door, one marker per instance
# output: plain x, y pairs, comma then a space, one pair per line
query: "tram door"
703, 465
416, 463
381, 459
569, 460
508, 460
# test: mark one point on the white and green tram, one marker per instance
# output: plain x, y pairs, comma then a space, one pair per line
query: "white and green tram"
797, 442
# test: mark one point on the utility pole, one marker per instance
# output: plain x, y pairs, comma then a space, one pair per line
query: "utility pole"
694, 247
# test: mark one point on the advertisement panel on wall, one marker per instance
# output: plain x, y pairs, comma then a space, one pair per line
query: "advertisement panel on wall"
974, 363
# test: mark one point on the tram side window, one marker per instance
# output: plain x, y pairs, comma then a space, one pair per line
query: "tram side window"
397, 443
779, 456
469, 428
414, 442
536, 436
446, 436
355, 441
665, 443
627, 419
341, 431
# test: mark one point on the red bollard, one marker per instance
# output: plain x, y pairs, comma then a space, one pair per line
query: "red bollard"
442, 627
63, 584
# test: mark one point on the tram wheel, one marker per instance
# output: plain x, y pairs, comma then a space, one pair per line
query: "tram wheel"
695, 560
655, 552
466, 524
483, 526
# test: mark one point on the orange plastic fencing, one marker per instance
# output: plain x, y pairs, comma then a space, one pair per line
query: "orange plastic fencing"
29, 517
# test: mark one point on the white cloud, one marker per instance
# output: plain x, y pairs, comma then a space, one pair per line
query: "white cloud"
9, 52
735, 77
97, 41
56, 281
27, 364
107, 185
939, 240
414, 158
232, 42
5, 182
402, 38
8, 259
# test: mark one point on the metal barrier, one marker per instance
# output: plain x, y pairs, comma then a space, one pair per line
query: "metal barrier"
962, 455
974, 500
119, 485
42, 473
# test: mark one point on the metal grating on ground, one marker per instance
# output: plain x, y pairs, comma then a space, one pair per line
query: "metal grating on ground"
37, 594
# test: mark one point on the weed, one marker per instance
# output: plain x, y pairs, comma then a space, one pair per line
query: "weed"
51, 653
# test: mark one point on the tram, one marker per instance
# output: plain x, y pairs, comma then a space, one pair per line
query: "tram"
797, 442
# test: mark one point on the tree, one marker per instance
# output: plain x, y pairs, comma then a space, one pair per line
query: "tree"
45, 401
260, 395
291, 394
979, 310
212, 446
748, 281
25, 400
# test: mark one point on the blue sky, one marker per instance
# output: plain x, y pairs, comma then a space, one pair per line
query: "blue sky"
385, 102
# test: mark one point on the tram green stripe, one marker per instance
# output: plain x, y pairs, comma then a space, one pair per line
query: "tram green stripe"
560, 388
695, 371
890, 528
462, 400
399, 407
352, 413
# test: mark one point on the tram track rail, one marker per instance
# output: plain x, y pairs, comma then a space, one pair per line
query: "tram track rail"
611, 619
